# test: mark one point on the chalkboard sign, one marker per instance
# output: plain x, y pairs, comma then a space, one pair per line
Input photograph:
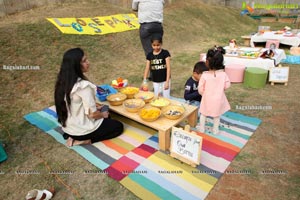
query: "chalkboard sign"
279, 75
186, 146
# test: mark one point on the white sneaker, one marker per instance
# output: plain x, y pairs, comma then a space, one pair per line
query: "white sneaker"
216, 131
199, 128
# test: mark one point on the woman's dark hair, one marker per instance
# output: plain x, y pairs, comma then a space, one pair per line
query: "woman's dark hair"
215, 58
68, 75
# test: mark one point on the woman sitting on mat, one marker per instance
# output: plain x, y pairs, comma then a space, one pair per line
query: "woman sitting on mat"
75, 100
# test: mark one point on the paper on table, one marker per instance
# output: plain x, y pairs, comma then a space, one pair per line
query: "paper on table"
249, 49
268, 34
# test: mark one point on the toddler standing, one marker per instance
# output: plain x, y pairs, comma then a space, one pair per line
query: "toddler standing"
212, 86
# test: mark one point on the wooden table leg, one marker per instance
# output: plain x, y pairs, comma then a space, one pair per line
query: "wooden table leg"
164, 139
192, 118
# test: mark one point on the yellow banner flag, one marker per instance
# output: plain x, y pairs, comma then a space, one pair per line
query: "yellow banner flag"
96, 25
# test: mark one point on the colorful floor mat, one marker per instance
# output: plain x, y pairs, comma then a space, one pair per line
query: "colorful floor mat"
134, 160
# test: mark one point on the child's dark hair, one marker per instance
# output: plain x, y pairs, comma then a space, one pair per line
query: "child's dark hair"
211, 52
200, 67
220, 49
215, 59
156, 37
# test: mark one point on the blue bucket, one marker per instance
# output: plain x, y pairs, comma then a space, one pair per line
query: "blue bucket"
3, 155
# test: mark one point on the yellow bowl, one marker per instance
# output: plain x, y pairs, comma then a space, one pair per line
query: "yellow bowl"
149, 114
173, 111
146, 96
133, 105
116, 99
130, 91
160, 102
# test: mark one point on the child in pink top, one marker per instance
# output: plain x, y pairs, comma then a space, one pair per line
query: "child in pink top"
212, 86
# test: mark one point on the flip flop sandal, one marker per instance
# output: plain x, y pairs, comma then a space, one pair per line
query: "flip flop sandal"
39, 195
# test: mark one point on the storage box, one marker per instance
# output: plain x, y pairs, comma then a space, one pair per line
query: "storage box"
108, 88
295, 50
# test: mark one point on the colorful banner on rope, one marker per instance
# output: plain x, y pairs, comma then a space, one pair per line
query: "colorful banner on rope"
96, 25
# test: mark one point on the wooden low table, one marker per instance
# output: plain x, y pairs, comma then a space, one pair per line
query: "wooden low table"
162, 124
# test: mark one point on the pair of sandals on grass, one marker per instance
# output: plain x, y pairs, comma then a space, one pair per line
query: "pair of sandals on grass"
40, 194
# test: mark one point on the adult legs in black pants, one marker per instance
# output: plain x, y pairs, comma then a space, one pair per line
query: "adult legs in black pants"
108, 129
147, 30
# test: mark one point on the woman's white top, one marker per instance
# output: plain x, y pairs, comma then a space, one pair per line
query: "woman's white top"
83, 101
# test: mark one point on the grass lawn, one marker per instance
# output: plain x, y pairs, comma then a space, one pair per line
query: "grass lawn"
191, 28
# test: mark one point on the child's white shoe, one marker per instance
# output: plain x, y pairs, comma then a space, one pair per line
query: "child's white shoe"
199, 128
216, 125
215, 131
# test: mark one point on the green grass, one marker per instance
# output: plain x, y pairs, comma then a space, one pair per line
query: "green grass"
294, 191
191, 28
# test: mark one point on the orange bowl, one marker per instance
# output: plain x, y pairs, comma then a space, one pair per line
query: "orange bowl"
117, 87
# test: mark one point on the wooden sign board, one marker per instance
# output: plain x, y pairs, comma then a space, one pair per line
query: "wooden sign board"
186, 146
279, 75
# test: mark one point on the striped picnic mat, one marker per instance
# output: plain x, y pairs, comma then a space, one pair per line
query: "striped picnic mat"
134, 160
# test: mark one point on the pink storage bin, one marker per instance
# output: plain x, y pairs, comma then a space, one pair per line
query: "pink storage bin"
235, 72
